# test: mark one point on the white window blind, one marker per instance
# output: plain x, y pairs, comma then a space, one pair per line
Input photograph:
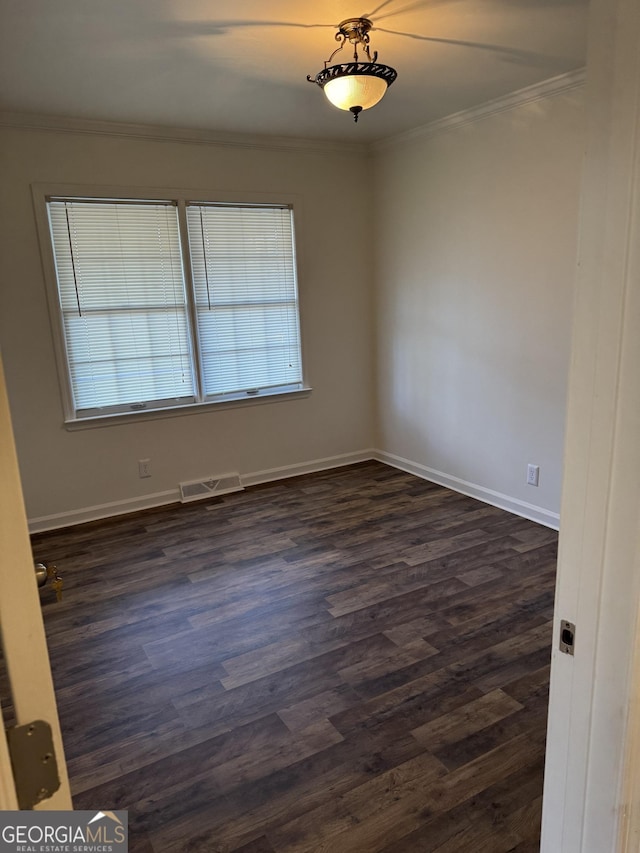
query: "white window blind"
122, 298
141, 334
243, 268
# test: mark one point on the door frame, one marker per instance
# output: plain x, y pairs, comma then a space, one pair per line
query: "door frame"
21, 627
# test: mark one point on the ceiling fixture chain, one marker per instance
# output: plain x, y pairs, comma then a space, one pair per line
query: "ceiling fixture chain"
356, 31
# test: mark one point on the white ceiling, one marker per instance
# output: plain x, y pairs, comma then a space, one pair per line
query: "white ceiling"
242, 67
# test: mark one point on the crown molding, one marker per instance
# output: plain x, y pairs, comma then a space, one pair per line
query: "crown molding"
160, 133
538, 91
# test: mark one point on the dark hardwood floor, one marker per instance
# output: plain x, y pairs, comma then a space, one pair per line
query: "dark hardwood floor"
355, 660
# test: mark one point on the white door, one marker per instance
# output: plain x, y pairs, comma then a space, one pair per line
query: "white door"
599, 561
21, 629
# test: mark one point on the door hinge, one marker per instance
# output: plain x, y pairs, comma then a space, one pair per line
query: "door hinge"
33, 761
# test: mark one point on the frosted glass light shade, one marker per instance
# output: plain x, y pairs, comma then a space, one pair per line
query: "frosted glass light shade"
355, 90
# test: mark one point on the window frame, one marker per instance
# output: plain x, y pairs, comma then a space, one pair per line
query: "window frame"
42, 193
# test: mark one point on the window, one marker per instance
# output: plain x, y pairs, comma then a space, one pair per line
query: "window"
166, 303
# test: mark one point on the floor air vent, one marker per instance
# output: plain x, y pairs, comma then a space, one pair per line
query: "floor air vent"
197, 490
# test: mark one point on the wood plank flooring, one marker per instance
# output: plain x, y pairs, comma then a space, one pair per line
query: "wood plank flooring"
355, 660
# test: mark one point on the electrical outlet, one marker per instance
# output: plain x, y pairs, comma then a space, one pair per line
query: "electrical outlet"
533, 475
144, 468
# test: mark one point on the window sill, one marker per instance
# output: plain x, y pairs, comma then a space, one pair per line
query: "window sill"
117, 418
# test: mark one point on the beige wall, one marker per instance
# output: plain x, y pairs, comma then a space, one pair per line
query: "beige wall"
65, 472
476, 236
473, 260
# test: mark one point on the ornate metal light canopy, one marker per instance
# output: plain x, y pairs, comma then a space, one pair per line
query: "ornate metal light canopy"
357, 85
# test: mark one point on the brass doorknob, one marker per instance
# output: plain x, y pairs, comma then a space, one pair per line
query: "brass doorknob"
44, 573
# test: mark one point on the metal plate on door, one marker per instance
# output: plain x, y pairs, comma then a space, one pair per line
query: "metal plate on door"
567, 637
33, 760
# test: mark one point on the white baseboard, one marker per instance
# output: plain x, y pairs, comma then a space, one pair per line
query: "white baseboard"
488, 496
107, 510
270, 474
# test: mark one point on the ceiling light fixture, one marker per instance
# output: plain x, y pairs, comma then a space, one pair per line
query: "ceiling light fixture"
357, 85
